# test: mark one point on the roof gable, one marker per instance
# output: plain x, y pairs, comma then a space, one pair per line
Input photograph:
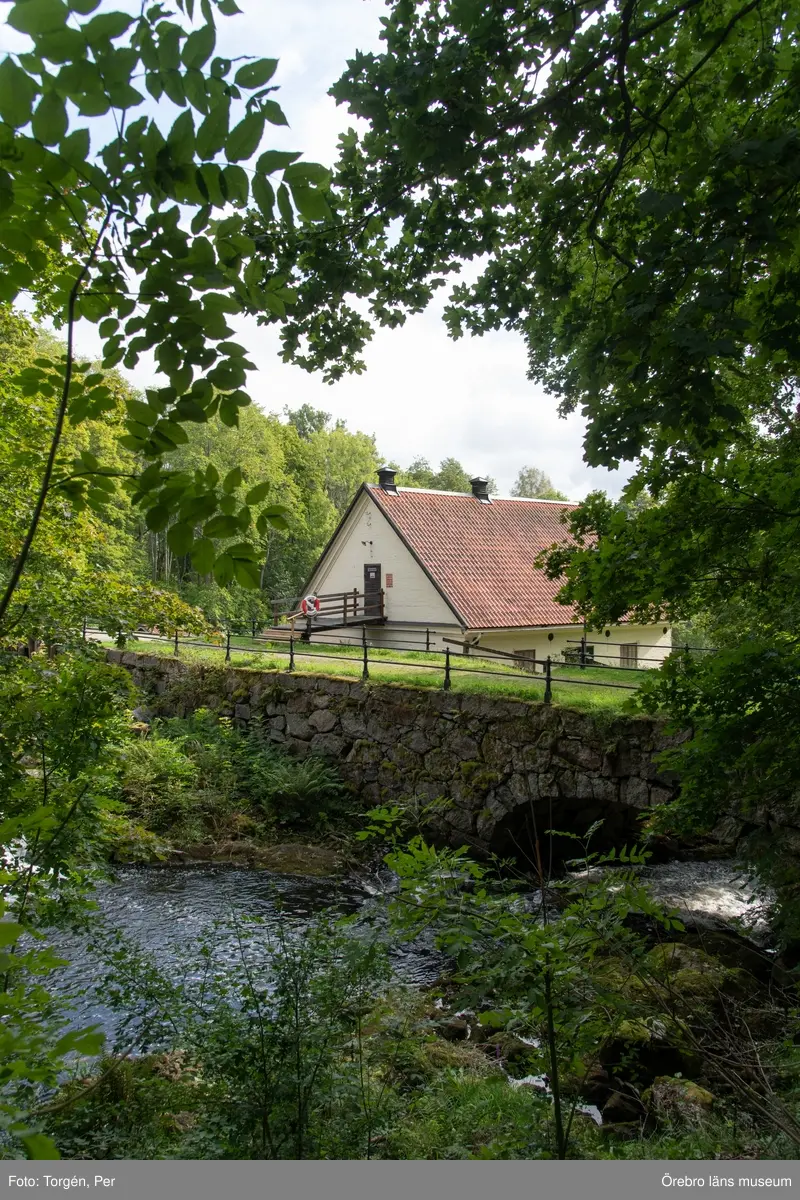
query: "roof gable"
481, 555
335, 569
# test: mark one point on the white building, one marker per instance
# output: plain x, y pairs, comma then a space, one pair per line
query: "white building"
409, 567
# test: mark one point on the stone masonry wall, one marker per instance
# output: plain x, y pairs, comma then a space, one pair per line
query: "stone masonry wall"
504, 767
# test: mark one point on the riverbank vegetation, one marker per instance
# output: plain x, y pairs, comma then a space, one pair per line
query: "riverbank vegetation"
199, 787
272, 1042
581, 993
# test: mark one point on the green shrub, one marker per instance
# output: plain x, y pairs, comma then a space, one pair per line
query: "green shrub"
200, 775
137, 1108
156, 782
246, 768
127, 841
302, 792
213, 744
263, 1055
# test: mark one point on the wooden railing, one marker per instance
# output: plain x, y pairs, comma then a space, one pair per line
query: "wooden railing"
343, 608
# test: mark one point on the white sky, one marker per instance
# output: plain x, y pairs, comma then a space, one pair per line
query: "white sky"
422, 394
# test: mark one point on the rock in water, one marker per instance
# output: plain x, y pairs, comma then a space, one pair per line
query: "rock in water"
679, 1099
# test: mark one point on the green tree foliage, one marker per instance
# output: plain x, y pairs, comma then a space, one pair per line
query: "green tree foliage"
86, 560
307, 420
63, 726
96, 557
628, 178
451, 476
534, 484
347, 459
299, 484
153, 224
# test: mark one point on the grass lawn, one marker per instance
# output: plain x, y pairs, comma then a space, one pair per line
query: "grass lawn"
587, 689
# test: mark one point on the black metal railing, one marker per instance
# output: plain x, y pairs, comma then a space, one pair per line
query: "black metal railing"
551, 668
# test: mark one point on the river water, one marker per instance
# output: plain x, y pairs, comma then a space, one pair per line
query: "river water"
168, 910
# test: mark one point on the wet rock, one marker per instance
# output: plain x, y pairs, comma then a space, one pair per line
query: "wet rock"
299, 858
673, 1099
622, 1131
480, 1034
597, 1086
785, 970
692, 976
623, 1108
455, 1029
641, 1050
732, 949
510, 1048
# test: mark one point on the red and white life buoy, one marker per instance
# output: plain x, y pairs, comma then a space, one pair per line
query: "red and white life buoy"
310, 604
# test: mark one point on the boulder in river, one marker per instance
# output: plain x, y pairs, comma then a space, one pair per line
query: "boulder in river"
672, 1099
623, 1107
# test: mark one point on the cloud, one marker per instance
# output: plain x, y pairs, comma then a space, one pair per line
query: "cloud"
422, 393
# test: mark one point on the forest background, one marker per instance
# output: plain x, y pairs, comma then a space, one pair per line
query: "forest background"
307, 465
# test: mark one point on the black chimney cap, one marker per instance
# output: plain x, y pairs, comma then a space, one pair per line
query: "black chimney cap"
386, 479
480, 489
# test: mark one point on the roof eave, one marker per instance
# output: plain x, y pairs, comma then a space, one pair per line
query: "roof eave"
522, 628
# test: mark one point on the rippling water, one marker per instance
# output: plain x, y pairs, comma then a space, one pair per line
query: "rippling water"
715, 889
168, 910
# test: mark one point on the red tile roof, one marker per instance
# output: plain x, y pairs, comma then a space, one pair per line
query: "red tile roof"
481, 555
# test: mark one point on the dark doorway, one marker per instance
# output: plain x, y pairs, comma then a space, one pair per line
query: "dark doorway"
372, 589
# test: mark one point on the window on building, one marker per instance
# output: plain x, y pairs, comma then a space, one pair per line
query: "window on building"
629, 655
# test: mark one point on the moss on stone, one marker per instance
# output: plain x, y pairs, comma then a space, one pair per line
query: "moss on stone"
689, 974
671, 1099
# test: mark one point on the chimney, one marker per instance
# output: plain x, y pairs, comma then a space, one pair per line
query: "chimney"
386, 479
480, 489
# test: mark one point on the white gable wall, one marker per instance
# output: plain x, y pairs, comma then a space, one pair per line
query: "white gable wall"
367, 537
